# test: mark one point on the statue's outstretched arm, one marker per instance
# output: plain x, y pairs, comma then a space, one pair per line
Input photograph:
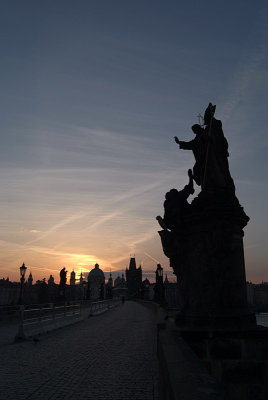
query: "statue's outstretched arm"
161, 222
184, 145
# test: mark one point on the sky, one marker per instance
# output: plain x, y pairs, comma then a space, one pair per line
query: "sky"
92, 94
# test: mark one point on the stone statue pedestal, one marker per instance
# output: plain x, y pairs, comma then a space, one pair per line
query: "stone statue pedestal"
207, 255
204, 243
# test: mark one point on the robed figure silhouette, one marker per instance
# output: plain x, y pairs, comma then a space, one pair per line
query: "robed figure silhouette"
210, 149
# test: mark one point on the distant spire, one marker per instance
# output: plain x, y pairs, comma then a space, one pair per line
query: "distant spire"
132, 263
30, 278
166, 279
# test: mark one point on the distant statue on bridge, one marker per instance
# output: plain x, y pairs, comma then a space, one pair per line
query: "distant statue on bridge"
210, 149
63, 278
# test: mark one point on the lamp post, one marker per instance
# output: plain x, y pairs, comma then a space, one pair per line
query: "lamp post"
146, 296
22, 274
84, 290
159, 287
159, 272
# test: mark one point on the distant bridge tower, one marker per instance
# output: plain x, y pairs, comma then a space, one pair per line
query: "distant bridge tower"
134, 279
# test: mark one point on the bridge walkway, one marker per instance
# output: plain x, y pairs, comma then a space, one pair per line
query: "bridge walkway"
107, 357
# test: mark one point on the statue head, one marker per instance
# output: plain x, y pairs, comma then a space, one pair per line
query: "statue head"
171, 194
209, 113
197, 129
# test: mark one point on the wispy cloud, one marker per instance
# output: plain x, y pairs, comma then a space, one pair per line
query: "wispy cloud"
249, 68
121, 203
151, 257
142, 239
60, 224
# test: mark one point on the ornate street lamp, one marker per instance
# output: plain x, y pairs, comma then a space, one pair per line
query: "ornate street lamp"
23, 270
22, 274
159, 271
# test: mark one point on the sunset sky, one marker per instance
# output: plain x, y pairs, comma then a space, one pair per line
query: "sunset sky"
92, 94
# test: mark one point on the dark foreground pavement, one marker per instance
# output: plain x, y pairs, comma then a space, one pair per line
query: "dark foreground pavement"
110, 356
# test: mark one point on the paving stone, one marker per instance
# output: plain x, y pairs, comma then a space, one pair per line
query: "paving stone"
107, 357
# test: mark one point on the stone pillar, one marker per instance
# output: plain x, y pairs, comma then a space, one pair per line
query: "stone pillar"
207, 255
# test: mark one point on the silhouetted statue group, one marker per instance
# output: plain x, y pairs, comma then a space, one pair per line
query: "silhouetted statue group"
204, 239
210, 149
210, 171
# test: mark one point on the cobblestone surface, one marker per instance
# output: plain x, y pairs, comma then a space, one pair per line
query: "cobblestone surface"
107, 357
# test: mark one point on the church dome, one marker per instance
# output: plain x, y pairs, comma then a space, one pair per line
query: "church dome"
96, 272
117, 281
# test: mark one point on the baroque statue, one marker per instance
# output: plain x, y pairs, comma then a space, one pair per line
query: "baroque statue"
210, 149
63, 278
203, 239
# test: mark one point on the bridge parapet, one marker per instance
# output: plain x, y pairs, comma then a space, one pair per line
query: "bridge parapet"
41, 319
